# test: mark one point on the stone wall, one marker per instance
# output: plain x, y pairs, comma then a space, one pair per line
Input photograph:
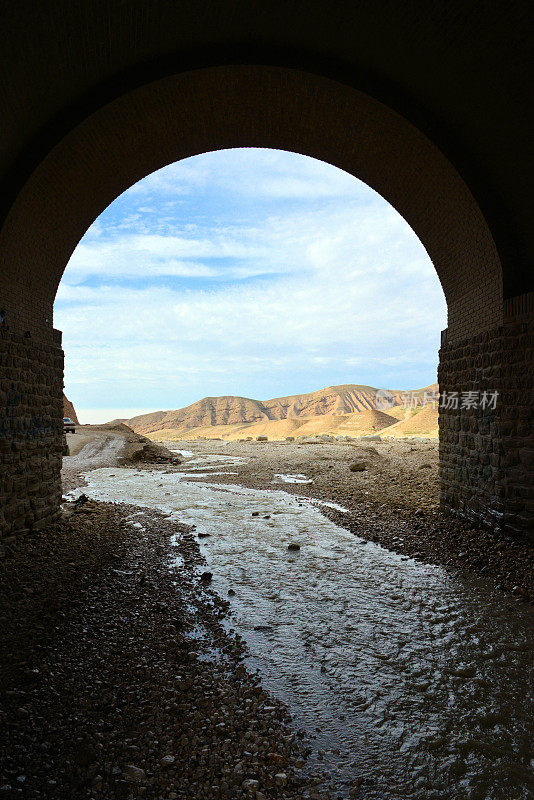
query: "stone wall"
31, 431
487, 451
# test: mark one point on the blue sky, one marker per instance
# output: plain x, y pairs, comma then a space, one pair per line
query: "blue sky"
246, 272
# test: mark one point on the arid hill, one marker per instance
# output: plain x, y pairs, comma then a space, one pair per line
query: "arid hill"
349, 409
207, 412
424, 422
68, 410
344, 399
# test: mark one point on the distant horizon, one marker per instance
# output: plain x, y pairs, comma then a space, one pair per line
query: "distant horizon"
97, 416
253, 269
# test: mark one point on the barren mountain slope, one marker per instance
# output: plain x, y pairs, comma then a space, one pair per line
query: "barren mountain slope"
69, 410
423, 422
225, 410
345, 399
315, 409
361, 423
369, 421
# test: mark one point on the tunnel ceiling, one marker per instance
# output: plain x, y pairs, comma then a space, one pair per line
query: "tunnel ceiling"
460, 71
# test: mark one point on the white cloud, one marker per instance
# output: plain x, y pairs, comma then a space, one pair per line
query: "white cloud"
341, 286
332, 239
255, 173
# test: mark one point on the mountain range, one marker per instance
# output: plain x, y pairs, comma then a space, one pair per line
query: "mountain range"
349, 409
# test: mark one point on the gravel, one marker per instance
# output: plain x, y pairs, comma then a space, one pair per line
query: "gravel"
118, 677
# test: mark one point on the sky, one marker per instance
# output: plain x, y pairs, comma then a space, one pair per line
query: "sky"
249, 272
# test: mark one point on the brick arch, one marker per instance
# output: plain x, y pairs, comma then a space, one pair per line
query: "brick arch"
485, 466
249, 106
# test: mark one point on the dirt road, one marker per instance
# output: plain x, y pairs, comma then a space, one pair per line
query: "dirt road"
95, 446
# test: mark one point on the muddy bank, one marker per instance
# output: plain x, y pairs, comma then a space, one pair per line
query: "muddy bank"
390, 490
107, 446
117, 675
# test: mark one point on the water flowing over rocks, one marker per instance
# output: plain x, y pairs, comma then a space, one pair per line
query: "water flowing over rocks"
118, 678
191, 650
405, 676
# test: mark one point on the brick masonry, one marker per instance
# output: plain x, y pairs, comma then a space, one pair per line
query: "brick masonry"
31, 431
487, 454
225, 107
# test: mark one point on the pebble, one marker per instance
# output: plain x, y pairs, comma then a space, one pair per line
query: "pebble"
133, 774
112, 659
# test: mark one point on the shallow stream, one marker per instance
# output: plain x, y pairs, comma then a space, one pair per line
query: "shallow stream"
416, 683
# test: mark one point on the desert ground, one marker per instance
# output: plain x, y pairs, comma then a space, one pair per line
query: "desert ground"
388, 488
115, 624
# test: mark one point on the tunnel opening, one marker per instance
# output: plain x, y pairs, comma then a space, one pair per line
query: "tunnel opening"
425, 105
482, 470
246, 274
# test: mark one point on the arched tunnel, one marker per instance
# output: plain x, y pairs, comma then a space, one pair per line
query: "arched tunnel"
430, 116
400, 640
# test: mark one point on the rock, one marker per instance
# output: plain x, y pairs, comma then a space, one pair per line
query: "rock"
206, 577
281, 778
262, 439
203, 535
293, 546
84, 754
133, 774
255, 513
358, 466
231, 592
276, 758
212, 708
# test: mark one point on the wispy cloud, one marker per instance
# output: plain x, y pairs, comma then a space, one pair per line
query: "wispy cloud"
316, 281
